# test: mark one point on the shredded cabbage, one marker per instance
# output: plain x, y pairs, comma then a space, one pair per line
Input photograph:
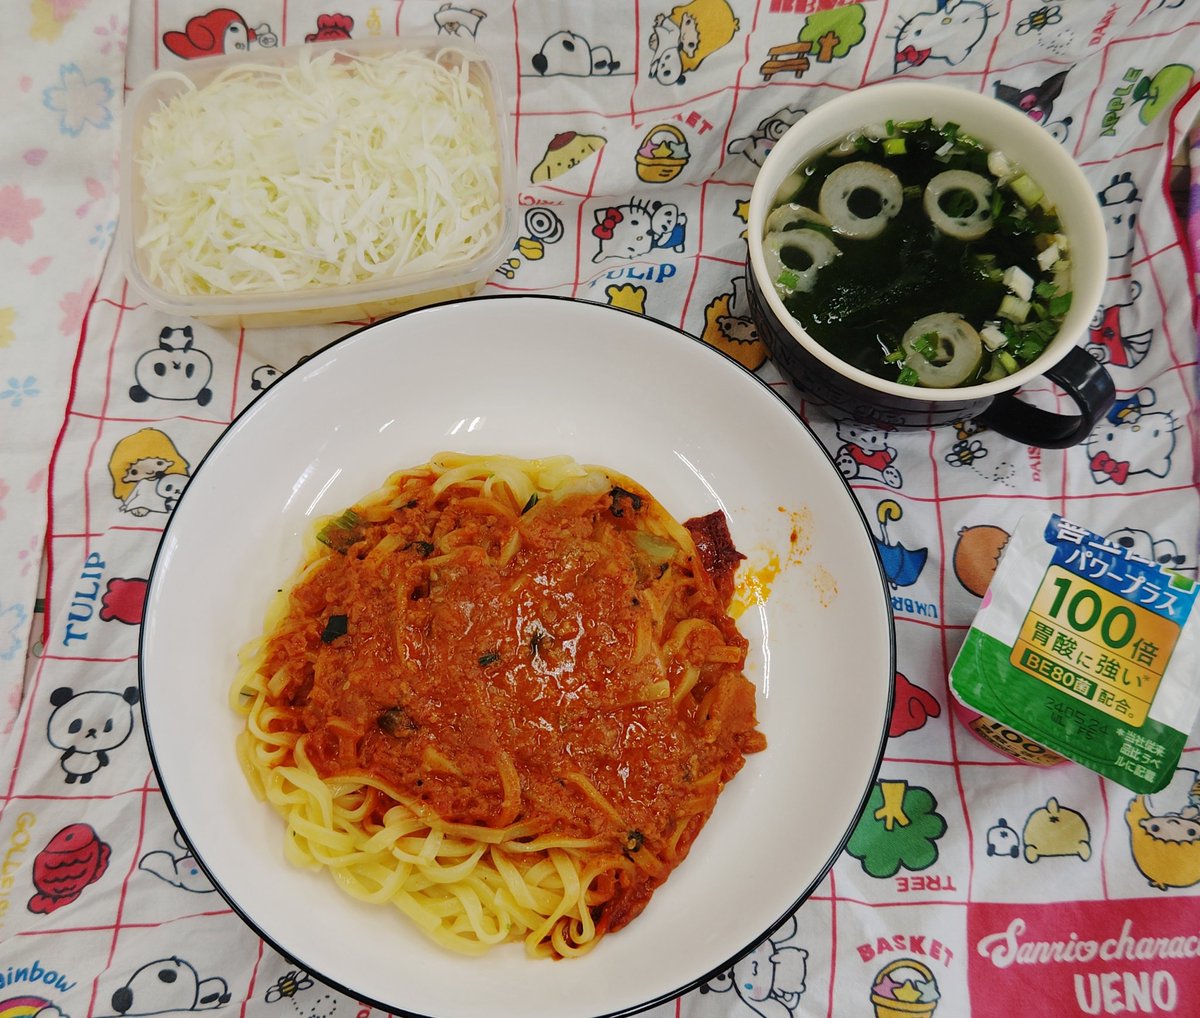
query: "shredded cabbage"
331, 171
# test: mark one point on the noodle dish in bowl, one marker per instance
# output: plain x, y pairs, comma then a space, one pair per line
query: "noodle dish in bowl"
540, 705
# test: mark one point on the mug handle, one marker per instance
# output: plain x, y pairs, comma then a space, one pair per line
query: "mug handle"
1083, 378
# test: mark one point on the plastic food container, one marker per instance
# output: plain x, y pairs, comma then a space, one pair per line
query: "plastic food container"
1083, 649
453, 275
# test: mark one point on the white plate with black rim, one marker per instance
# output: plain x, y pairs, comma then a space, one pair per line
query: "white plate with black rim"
530, 376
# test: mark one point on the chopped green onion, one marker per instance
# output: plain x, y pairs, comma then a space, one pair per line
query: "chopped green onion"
907, 376
926, 345
658, 549
1019, 281
788, 279
894, 147
1028, 190
995, 371
1060, 305
894, 356
1007, 359
1013, 308
1045, 289
993, 337
341, 532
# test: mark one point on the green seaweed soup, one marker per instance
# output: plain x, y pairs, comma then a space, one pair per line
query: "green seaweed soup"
865, 299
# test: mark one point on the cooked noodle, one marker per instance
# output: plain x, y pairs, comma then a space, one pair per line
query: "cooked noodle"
502, 696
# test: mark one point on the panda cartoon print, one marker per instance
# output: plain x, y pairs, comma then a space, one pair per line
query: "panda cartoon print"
176, 369
87, 726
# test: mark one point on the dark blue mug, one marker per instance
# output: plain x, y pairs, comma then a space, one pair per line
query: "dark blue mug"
846, 391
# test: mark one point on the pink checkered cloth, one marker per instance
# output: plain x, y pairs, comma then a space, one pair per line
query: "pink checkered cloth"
948, 916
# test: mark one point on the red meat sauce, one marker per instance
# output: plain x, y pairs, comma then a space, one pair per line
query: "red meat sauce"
441, 670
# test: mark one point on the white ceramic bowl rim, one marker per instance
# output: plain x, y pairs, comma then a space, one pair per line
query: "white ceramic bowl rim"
997, 125
277, 466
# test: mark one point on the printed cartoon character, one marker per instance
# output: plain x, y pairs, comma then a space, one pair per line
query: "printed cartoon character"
757, 145
174, 370
865, 453
1179, 797
1164, 832
905, 987
566, 150
180, 871
71, 861
219, 31
1131, 440
457, 20
1107, 341
169, 984
681, 40
138, 466
156, 493
948, 34
666, 66
85, 726
1038, 102
331, 26
977, 554
1054, 830
911, 708
729, 327
1003, 840
770, 979
124, 600
1120, 201
1142, 544
637, 228
570, 54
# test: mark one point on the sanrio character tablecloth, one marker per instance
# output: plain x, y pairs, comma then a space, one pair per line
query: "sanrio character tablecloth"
971, 885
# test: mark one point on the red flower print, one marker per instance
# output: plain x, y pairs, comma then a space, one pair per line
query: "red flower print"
17, 214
